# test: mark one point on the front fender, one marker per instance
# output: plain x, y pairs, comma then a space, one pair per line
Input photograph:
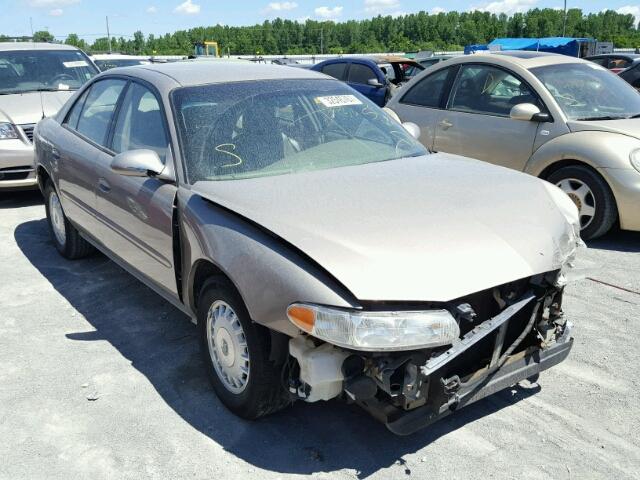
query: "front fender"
596, 149
268, 273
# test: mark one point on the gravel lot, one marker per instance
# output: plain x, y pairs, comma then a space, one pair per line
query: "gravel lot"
101, 378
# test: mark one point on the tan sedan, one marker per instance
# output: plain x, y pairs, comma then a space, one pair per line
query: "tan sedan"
559, 118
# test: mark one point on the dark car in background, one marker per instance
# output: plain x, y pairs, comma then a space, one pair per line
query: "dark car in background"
375, 77
616, 62
631, 75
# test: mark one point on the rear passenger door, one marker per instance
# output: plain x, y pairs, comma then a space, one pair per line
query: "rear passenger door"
137, 212
358, 78
81, 149
337, 70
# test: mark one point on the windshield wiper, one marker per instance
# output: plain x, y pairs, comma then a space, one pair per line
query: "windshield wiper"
604, 117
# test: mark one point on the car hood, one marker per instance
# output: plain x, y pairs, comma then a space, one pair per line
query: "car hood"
24, 108
629, 127
431, 228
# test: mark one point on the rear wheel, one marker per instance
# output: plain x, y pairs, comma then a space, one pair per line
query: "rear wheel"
592, 196
65, 236
236, 354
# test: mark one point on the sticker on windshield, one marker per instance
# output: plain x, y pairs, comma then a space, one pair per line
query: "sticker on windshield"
76, 64
63, 86
332, 101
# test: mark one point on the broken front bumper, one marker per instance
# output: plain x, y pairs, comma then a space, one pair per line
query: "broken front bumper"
519, 367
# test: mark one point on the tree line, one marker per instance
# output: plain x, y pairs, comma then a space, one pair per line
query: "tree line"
416, 31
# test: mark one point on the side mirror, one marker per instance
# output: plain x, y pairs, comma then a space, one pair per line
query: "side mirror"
137, 163
374, 82
413, 129
528, 112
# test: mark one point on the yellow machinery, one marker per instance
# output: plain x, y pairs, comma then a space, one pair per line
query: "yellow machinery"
206, 49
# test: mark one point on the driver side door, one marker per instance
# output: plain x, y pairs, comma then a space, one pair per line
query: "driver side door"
476, 122
137, 212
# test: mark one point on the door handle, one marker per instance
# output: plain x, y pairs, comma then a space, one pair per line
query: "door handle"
55, 154
446, 124
104, 186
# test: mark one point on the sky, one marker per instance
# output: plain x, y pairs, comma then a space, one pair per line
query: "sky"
87, 17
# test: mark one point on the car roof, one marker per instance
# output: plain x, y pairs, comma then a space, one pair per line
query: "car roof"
7, 46
522, 58
188, 73
118, 56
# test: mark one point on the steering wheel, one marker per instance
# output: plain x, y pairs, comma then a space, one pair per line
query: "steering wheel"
60, 78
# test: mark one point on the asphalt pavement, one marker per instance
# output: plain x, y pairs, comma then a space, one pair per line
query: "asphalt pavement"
100, 378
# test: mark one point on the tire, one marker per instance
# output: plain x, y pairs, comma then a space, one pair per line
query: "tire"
65, 236
600, 199
262, 392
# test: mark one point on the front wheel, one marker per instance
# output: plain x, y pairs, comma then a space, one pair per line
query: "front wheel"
65, 236
236, 354
592, 196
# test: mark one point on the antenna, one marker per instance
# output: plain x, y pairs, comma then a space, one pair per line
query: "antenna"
108, 34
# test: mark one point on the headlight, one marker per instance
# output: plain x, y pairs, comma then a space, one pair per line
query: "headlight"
7, 131
376, 331
635, 159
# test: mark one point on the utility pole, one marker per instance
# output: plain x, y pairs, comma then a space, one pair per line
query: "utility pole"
31, 24
108, 34
321, 40
564, 21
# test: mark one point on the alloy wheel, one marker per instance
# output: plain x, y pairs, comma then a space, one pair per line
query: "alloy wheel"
580, 193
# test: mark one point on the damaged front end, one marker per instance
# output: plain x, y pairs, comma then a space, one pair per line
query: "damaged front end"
504, 335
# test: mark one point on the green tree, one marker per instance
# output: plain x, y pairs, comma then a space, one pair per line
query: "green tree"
43, 36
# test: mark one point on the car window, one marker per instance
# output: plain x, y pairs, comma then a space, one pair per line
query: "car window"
98, 109
74, 114
428, 91
619, 63
336, 70
140, 123
429, 63
278, 127
488, 90
359, 73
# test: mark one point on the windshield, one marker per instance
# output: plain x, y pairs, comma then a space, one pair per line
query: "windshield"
120, 62
589, 92
43, 70
260, 128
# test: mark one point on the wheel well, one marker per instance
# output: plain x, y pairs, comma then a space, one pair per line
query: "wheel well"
43, 176
554, 167
204, 270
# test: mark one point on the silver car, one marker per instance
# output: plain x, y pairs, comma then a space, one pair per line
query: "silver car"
320, 249
560, 118
36, 79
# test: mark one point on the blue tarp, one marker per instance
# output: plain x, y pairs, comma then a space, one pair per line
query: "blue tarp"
562, 45
474, 48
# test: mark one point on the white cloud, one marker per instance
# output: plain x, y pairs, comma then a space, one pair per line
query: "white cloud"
152, 9
280, 7
54, 4
437, 10
328, 12
630, 9
380, 6
506, 6
56, 12
188, 8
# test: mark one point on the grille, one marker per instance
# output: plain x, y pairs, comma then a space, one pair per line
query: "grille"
28, 130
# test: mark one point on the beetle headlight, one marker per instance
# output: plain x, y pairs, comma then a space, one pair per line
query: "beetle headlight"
376, 331
635, 159
8, 131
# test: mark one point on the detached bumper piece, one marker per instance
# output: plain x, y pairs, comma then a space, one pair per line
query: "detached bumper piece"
523, 339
